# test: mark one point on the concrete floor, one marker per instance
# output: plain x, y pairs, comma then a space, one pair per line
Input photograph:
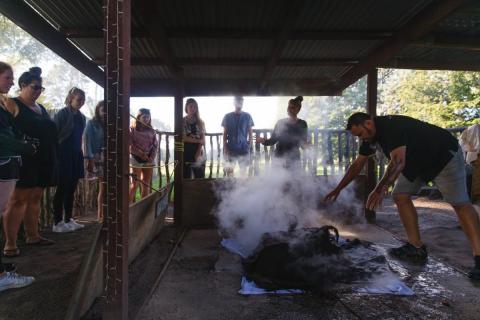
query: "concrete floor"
203, 279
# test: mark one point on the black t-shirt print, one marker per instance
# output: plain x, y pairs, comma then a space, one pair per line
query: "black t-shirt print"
428, 147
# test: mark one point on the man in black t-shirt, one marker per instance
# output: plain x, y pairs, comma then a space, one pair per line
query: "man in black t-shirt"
419, 152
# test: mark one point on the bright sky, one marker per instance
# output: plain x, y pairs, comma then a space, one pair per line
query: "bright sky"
212, 109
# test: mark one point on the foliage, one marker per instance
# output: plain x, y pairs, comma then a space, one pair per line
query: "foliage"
445, 98
332, 112
17, 46
22, 51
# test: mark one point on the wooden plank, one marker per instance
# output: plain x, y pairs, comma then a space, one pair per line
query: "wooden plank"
189, 33
371, 181
167, 156
30, 21
414, 29
211, 156
423, 64
290, 15
159, 163
219, 153
222, 87
148, 10
178, 152
117, 97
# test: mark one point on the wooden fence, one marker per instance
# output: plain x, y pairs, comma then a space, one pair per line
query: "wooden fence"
331, 152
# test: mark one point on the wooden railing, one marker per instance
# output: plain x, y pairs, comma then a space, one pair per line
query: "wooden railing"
331, 152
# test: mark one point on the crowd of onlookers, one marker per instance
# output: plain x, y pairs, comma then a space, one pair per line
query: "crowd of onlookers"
38, 151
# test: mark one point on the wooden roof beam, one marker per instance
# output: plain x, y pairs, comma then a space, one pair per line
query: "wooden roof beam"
272, 34
414, 29
288, 21
240, 34
78, 33
216, 87
471, 43
239, 62
148, 10
421, 64
27, 19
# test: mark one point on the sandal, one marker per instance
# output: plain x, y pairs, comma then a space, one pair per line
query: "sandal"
41, 242
10, 253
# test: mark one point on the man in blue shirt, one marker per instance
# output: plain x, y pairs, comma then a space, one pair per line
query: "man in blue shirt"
237, 137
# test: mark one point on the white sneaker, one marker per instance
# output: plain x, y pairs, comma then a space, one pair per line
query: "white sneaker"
62, 227
72, 224
12, 280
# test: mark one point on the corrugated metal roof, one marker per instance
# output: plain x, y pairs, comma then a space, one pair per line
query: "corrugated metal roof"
439, 54
465, 20
226, 48
70, 13
93, 47
310, 49
151, 72
222, 72
267, 16
244, 15
297, 73
357, 15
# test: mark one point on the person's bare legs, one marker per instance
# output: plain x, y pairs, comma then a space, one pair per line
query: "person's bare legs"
101, 194
136, 172
13, 216
6, 190
409, 217
146, 181
470, 224
32, 214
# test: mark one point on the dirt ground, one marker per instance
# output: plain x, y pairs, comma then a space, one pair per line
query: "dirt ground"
439, 228
55, 269
203, 279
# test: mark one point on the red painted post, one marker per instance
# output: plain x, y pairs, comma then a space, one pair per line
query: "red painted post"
117, 96
178, 153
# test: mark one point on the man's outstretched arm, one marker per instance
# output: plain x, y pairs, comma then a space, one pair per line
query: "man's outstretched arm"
394, 168
351, 173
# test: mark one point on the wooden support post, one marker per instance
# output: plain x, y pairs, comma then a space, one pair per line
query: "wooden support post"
117, 96
178, 153
371, 181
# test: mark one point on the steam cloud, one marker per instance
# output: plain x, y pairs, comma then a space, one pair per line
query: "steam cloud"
278, 199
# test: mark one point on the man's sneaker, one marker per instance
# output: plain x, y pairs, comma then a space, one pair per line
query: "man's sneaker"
72, 224
410, 253
61, 227
474, 274
11, 280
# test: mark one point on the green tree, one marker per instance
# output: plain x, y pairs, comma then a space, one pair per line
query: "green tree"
18, 48
22, 51
445, 98
333, 112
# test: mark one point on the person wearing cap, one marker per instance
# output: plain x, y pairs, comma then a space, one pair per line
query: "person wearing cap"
289, 135
237, 137
419, 152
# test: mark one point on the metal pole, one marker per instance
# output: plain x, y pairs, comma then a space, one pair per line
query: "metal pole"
117, 96
178, 183
371, 181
